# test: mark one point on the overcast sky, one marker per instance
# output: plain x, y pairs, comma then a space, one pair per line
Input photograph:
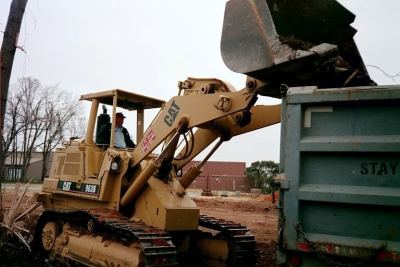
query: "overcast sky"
148, 46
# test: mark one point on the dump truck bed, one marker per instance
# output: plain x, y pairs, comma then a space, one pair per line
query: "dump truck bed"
340, 192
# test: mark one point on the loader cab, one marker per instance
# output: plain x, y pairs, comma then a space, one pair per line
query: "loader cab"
115, 99
79, 167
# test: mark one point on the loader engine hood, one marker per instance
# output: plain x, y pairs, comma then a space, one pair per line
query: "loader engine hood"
291, 42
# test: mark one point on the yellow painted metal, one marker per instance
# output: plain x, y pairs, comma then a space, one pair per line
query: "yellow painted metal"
190, 175
160, 206
261, 116
130, 100
203, 138
114, 111
49, 234
199, 109
94, 157
70, 201
139, 182
94, 250
92, 121
139, 124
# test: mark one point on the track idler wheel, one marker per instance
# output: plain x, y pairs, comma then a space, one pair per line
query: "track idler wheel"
49, 235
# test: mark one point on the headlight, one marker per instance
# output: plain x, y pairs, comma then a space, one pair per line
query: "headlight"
114, 167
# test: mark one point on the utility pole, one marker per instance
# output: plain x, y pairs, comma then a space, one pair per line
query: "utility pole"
7, 53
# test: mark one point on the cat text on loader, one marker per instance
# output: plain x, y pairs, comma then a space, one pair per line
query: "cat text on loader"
106, 206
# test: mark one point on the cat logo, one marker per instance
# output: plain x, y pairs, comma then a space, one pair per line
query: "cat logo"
172, 114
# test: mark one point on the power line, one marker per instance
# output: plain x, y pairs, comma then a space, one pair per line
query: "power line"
385, 73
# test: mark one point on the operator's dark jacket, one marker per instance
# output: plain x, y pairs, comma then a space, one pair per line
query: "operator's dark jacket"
106, 133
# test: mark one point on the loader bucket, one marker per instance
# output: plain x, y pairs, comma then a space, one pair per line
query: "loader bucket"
292, 42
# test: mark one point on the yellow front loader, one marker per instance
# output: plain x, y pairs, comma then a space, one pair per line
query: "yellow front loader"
106, 206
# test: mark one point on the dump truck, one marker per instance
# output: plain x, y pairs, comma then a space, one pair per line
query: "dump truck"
340, 177
339, 181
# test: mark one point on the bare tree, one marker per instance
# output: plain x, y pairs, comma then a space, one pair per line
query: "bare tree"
37, 119
76, 127
58, 111
12, 129
32, 101
20, 117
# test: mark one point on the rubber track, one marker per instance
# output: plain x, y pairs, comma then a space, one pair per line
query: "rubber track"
158, 249
243, 243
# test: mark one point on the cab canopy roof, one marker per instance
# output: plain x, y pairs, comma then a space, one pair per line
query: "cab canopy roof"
126, 100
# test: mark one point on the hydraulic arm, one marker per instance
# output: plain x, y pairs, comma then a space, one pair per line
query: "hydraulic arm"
215, 110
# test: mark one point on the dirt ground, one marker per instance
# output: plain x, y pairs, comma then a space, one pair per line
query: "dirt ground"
258, 214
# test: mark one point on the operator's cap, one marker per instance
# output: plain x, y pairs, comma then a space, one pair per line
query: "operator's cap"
120, 114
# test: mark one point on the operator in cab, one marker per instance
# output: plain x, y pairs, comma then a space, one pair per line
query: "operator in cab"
121, 135
122, 138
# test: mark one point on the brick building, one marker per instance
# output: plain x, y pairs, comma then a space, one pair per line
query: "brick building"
226, 176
